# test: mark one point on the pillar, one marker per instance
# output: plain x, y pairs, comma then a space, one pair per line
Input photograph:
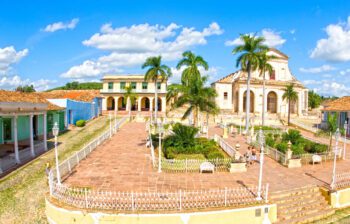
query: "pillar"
31, 137
240, 103
16, 139
116, 99
45, 131
151, 103
163, 104
139, 104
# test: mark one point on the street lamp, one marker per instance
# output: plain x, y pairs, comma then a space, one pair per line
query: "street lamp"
337, 134
160, 130
346, 129
262, 143
55, 131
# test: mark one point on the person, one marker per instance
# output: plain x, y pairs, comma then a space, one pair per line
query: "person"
254, 154
248, 155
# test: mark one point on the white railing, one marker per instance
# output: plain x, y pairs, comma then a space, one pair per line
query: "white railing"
67, 165
226, 147
156, 201
342, 180
306, 158
193, 165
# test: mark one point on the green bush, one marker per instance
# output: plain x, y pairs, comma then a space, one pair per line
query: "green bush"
319, 148
215, 154
270, 141
297, 149
80, 123
282, 147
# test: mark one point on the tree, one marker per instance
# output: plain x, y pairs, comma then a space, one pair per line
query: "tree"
129, 98
249, 61
291, 96
191, 62
265, 66
156, 71
332, 126
315, 100
26, 89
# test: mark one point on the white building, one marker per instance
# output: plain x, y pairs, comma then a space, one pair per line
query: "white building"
232, 90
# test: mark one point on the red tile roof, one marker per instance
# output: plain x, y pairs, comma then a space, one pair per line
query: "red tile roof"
78, 95
341, 104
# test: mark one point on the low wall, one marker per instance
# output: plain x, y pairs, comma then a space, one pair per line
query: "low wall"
251, 215
339, 198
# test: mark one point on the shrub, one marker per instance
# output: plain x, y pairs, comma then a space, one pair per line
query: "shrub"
270, 141
293, 136
80, 123
319, 148
282, 147
298, 149
215, 154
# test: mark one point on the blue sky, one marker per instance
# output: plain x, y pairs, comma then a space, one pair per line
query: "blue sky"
50, 43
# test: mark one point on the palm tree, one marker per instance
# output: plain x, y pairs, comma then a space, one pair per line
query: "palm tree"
332, 126
291, 96
129, 98
191, 62
156, 72
249, 61
264, 66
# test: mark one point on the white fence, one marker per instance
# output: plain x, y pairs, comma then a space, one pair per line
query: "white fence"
156, 201
342, 180
67, 165
226, 147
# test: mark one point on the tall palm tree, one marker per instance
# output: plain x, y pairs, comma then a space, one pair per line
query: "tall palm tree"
249, 61
156, 72
332, 126
129, 98
191, 62
291, 96
264, 66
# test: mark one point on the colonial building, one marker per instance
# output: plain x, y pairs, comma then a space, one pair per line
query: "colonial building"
232, 90
114, 89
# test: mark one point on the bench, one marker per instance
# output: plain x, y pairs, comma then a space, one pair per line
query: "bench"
206, 166
316, 159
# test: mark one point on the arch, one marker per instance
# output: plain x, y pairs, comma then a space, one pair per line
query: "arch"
272, 102
145, 104
252, 101
110, 103
134, 105
294, 107
159, 104
121, 103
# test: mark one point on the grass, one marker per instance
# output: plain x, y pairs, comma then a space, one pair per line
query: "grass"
340, 216
22, 193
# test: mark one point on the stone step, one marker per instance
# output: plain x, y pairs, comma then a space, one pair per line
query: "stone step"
299, 191
316, 205
301, 203
302, 213
308, 218
295, 197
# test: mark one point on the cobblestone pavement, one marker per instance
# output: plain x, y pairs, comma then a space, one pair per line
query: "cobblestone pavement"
124, 164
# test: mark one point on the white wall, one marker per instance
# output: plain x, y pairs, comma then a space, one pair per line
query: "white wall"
221, 88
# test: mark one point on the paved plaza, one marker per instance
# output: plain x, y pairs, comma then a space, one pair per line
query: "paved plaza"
123, 163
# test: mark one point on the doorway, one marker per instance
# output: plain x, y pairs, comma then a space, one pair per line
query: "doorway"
35, 127
7, 127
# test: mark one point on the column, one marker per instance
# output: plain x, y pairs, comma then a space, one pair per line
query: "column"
16, 139
116, 99
31, 137
163, 104
151, 103
45, 131
139, 104
300, 102
240, 103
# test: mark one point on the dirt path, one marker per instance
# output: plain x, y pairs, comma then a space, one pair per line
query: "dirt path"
22, 193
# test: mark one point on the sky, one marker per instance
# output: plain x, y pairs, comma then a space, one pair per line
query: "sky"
50, 43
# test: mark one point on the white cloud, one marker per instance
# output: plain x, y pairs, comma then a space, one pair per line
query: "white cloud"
345, 71
61, 26
130, 46
272, 39
328, 87
8, 56
323, 68
292, 31
12, 82
336, 47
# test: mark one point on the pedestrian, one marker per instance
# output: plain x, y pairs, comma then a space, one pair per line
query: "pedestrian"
248, 156
254, 154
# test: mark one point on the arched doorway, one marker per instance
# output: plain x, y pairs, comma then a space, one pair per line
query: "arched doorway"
134, 105
293, 107
272, 102
110, 103
159, 104
145, 104
121, 104
252, 101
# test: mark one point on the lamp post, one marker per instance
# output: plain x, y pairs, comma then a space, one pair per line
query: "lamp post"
262, 143
337, 134
55, 131
160, 130
346, 129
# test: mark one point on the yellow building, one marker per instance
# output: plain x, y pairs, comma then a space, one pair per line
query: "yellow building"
114, 89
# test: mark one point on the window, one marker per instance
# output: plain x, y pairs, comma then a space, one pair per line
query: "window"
122, 85
273, 75
158, 85
225, 95
7, 124
144, 85
110, 85
133, 85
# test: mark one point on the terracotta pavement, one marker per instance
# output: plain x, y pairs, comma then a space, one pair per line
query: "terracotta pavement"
123, 163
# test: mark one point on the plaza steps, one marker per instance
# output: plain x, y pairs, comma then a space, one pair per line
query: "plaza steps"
302, 205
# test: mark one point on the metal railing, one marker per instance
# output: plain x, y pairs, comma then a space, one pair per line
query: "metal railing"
226, 147
342, 180
68, 165
156, 201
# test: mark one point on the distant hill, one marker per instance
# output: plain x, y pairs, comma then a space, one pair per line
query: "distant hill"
77, 86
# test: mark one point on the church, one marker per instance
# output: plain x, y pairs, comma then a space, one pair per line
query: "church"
231, 90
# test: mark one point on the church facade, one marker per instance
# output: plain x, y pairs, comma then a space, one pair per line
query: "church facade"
232, 90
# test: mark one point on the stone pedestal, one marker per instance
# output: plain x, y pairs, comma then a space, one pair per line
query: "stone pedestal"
225, 135
294, 163
238, 168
